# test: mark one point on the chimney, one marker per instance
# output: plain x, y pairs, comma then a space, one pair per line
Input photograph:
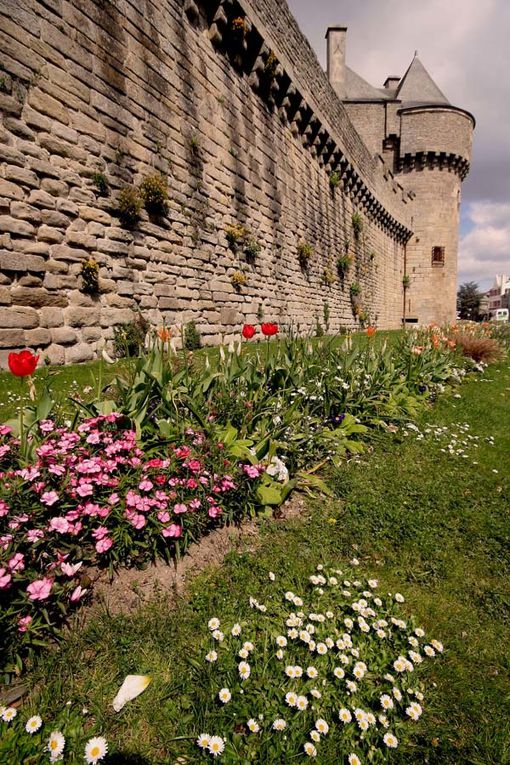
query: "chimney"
391, 83
336, 37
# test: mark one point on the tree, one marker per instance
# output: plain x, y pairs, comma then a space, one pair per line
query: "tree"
468, 301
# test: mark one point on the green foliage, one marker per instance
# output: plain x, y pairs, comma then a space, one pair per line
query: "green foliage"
326, 314
406, 281
305, 252
192, 339
355, 289
468, 300
343, 263
129, 206
129, 338
357, 224
154, 193
252, 248
90, 276
334, 179
235, 235
239, 279
194, 144
101, 183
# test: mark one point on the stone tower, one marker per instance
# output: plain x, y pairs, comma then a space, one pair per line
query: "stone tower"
426, 142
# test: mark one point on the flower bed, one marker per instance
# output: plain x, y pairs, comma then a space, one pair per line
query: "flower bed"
92, 495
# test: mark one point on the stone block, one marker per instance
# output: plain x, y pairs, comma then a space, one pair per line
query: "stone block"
11, 338
47, 105
94, 214
12, 261
15, 226
54, 218
36, 338
25, 212
63, 336
55, 354
18, 318
56, 188
37, 297
5, 296
22, 176
112, 316
49, 234
76, 354
80, 316
30, 281
40, 198
51, 317
10, 190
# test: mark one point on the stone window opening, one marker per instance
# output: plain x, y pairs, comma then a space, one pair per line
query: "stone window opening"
438, 256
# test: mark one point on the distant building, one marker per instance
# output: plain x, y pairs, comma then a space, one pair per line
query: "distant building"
499, 294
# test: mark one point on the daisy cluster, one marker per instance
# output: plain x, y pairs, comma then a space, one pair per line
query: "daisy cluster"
31, 740
454, 440
331, 673
92, 495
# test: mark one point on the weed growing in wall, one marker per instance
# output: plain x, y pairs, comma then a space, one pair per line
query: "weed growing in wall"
100, 182
235, 235
154, 193
334, 179
239, 279
90, 277
305, 252
129, 206
252, 249
357, 224
129, 338
343, 263
406, 281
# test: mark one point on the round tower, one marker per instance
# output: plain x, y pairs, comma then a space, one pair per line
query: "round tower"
432, 160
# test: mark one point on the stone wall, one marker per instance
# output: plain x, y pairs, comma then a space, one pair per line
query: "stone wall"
127, 89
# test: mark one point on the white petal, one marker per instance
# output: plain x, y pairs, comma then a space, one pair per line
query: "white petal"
132, 687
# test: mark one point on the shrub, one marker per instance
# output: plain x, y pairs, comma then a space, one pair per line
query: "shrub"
334, 179
328, 277
154, 193
305, 252
192, 339
355, 289
90, 276
239, 279
100, 182
129, 338
129, 206
480, 349
236, 235
334, 670
252, 248
343, 263
357, 224
406, 281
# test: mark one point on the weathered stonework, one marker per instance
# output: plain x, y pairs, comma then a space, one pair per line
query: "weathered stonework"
247, 130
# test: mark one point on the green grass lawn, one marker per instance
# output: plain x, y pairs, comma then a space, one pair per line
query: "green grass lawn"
435, 525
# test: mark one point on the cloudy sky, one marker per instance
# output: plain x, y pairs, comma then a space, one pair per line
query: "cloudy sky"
465, 46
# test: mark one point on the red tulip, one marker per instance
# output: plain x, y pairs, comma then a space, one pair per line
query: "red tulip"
248, 331
371, 331
269, 329
22, 364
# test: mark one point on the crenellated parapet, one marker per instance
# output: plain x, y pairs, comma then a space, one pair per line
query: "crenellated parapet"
243, 31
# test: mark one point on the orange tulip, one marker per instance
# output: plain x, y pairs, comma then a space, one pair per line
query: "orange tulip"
164, 334
371, 331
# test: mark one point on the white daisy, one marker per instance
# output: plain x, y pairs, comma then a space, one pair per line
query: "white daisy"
397, 694
344, 715
291, 698
243, 653
390, 740
386, 701
281, 641
289, 671
429, 651
279, 654
218, 635
353, 759
437, 645
321, 649
224, 695
95, 749
272, 576
279, 724
315, 735
400, 599
339, 673
253, 725
9, 713
315, 693
213, 623
236, 630
216, 745
322, 726
310, 750
33, 724
55, 745
248, 646
301, 703
211, 656
203, 740
244, 670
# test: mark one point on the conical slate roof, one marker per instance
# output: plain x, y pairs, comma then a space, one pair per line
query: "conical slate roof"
358, 89
418, 87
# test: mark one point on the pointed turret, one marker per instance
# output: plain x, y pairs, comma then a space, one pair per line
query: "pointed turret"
418, 88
